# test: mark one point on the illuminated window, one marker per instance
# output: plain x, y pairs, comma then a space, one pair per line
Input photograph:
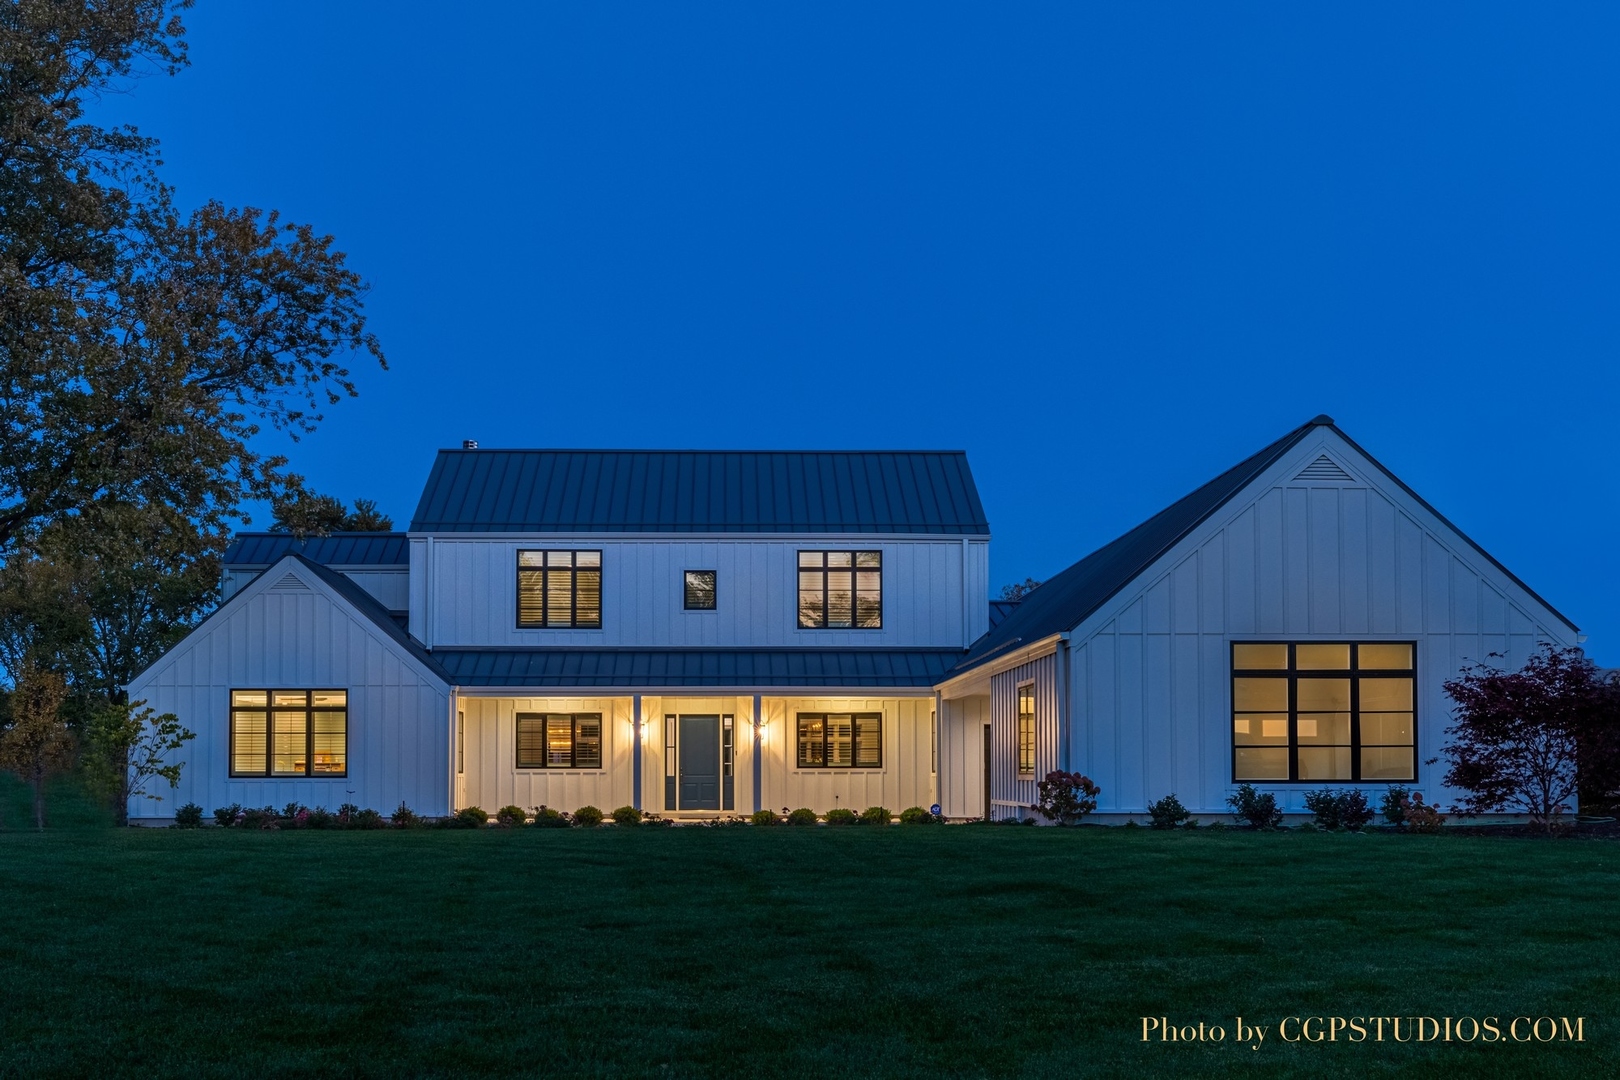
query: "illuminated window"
700, 590
840, 590
840, 741
289, 733
559, 740
560, 590
1026, 730
1324, 711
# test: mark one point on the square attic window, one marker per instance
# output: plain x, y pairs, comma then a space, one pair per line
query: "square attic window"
700, 590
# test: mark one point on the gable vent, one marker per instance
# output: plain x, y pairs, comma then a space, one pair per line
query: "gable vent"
289, 583
1323, 468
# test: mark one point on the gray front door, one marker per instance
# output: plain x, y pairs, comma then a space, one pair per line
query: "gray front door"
700, 763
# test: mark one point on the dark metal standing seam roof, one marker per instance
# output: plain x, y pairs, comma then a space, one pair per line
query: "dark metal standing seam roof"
1072, 596
674, 491
368, 606
849, 668
338, 549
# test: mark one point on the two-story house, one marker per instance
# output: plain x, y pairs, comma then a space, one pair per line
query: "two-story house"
693, 633
702, 633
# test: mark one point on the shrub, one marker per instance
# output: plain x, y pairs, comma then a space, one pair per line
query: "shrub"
654, 820
547, 818
1066, 797
1339, 809
1325, 805
368, 819
189, 816
588, 816
470, 817
1423, 817
345, 815
763, 817
627, 815
842, 816
404, 817
802, 816
1254, 809
321, 818
226, 816
916, 815
1394, 805
876, 815
1354, 813
1168, 813
508, 816
264, 818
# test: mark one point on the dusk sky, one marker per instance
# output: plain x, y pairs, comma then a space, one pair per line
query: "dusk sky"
1108, 250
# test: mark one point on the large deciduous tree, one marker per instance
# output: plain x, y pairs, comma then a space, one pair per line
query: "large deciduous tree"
142, 349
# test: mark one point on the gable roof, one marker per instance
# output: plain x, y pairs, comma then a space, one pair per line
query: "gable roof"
339, 548
371, 609
1068, 599
703, 491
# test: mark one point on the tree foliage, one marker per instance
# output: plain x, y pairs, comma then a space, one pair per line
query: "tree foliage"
1019, 590
309, 514
130, 747
37, 744
1066, 797
1522, 740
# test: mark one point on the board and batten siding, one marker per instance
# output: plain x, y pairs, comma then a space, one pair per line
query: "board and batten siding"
961, 756
292, 634
464, 593
906, 778
1012, 795
491, 778
1291, 560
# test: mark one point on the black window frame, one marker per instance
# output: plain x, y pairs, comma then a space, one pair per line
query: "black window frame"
1019, 746
573, 569
855, 741
545, 744
269, 710
686, 591
1354, 673
800, 570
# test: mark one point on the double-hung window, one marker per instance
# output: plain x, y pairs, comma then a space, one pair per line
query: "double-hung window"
559, 740
1324, 711
559, 590
289, 733
841, 590
840, 740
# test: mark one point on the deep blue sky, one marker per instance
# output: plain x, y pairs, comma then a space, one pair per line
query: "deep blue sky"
1107, 249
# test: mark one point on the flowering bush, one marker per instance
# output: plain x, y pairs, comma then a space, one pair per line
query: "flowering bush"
1066, 797
1404, 810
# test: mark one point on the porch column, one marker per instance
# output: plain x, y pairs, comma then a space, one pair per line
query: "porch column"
635, 750
759, 719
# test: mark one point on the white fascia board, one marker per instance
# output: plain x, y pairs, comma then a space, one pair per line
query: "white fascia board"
961, 685
848, 539
628, 692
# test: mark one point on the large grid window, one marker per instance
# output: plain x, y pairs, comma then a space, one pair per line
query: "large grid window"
841, 590
840, 740
1324, 711
289, 733
1026, 730
560, 590
559, 740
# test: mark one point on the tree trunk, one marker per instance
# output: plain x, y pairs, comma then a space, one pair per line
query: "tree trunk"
39, 801
121, 789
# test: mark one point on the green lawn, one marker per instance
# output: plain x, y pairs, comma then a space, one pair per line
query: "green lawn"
961, 951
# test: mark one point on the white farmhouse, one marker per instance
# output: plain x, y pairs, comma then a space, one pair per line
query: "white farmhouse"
708, 633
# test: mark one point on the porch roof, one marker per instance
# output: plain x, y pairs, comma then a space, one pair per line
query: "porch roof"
630, 668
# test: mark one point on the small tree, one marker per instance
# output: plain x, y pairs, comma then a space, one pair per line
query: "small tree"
1518, 738
37, 743
130, 747
1066, 797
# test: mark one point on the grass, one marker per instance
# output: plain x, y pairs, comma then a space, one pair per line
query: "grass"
785, 952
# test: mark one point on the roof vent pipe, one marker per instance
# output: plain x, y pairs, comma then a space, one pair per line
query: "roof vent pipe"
469, 444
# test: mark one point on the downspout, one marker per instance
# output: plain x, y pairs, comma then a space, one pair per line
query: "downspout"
759, 739
635, 749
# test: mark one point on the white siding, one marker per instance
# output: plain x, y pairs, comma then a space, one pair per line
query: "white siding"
1150, 684
905, 779
961, 756
1010, 794
493, 780
464, 592
295, 635
391, 587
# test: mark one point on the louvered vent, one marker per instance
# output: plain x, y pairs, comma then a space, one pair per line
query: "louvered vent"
1323, 468
289, 583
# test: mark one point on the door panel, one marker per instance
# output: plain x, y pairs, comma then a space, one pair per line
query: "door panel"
700, 763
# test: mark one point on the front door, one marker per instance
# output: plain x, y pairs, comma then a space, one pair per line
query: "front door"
700, 763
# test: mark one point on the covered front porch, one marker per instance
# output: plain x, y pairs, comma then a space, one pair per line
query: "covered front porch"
694, 755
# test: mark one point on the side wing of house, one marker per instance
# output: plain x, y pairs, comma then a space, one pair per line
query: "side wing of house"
1298, 638
300, 689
